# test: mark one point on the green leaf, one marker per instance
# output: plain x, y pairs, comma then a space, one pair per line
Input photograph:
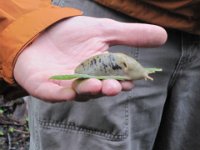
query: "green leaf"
85, 76
1, 111
1, 133
27, 119
11, 129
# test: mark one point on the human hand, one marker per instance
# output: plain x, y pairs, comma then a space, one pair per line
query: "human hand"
63, 46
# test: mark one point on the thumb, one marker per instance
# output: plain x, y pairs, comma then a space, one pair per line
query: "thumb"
136, 34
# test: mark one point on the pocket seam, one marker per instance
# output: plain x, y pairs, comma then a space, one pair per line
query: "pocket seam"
70, 127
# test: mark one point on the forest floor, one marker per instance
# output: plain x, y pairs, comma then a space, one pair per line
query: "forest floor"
14, 131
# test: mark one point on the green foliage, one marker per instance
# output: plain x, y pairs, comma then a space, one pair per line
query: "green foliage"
1, 111
1, 133
11, 129
27, 119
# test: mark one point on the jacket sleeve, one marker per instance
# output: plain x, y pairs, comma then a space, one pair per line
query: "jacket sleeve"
20, 22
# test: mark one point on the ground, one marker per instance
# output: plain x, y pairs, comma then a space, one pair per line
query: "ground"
14, 131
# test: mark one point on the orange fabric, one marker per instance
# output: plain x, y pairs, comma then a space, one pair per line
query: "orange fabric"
182, 15
20, 22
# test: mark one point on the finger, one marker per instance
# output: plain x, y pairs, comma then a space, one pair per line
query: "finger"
127, 85
136, 34
53, 93
111, 87
89, 86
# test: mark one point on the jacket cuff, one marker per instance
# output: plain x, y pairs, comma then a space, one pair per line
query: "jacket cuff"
24, 30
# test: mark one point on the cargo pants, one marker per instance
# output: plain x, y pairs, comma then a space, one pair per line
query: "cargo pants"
163, 114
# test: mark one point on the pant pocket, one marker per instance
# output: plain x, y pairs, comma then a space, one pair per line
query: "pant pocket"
106, 117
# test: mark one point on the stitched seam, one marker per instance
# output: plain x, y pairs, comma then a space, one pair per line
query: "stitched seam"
126, 123
184, 59
136, 53
174, 76
36, 130
67, 127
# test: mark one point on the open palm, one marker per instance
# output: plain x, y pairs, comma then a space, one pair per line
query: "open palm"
63, 46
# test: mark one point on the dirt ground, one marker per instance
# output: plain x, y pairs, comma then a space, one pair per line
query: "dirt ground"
14, 131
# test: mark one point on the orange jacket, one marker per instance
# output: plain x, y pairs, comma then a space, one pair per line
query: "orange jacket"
20, 22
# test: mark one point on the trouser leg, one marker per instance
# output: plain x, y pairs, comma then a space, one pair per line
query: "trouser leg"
148, 97
180, 126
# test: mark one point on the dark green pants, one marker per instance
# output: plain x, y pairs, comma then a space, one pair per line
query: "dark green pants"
163, 114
